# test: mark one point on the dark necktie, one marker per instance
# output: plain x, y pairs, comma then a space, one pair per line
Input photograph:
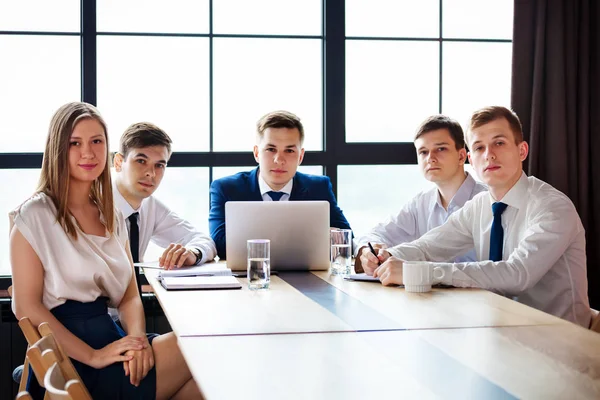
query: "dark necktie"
275, 195
134, 245
497, 234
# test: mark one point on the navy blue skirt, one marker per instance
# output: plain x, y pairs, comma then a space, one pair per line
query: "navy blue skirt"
91, 323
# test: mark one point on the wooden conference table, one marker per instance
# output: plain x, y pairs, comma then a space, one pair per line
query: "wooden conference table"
316, 336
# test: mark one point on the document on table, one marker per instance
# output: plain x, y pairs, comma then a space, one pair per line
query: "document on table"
361, 277
209, 269
199, 282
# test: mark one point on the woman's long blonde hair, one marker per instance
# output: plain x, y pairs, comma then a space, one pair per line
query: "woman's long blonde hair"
55, 176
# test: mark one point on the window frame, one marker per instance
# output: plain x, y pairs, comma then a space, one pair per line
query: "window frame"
335, 151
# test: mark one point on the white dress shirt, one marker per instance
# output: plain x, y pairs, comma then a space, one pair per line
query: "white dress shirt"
543, 259
81, 269
161, 225
264, 188
420, 215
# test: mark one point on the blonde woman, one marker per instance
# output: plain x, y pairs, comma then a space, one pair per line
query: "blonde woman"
70, 260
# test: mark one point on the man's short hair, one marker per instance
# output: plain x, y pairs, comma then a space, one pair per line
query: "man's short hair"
143, 134
279, 119
439, 121
488, 114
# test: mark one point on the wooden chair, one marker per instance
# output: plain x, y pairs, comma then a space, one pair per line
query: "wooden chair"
45, 352
31, 335
595, 323
59, 387
23, 396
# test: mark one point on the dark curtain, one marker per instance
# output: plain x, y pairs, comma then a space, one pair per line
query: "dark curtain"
556, 93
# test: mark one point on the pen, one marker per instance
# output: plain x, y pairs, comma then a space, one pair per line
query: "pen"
374, 253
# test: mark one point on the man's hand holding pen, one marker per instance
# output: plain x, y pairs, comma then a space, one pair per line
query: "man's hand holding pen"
372, 256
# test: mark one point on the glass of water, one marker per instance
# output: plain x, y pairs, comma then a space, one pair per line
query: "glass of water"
341, 251
259, 263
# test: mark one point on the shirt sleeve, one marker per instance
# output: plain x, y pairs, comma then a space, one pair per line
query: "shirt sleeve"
397, 229
548, 235
443, 243
170, 228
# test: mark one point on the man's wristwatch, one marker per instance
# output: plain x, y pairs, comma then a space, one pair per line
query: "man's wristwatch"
195, 251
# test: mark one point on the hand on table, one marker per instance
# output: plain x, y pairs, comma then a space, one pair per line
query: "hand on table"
390, 272
176, 256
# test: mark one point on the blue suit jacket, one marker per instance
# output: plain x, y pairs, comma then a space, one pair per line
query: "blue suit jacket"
244, 187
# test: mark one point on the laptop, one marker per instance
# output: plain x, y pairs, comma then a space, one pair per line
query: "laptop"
298, 230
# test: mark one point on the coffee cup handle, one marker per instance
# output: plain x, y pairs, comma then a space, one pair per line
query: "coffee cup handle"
438, 274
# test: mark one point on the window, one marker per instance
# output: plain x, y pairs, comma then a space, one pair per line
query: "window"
206, 71
404, 63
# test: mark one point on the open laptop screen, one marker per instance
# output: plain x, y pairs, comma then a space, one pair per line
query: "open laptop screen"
298, 230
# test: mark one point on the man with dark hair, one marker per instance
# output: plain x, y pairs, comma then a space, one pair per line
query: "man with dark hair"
441, 155
278, 152
140, 164
528, 237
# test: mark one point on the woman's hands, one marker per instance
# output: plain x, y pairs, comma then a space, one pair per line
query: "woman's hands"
117, 351
140, 364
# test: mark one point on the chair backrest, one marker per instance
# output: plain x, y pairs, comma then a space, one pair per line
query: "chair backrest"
46, 352
23, 396
32, 335
595, 323
41, 355
60, 388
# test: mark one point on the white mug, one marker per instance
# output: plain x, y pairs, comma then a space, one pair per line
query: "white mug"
418, 276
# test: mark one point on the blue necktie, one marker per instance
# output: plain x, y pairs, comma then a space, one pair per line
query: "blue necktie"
275, 195
497, 234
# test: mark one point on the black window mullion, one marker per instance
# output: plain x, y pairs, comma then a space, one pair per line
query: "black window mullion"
88, 52
334, 16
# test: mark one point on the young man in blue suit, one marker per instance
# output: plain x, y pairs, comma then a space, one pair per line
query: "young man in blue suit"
278, 152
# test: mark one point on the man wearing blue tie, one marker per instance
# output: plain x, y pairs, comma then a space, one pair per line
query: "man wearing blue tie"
527, 235
278, 152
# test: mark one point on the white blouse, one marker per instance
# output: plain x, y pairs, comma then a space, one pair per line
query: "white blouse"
81, 269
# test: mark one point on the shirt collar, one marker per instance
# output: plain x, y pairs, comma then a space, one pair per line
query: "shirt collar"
517, 195
122, 204
462, 195
264, 186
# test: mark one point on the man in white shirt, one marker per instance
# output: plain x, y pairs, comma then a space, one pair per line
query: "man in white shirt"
144, 151
441, 154
528, 237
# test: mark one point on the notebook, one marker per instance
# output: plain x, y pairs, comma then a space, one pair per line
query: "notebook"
198, 270
199, 282
298, 230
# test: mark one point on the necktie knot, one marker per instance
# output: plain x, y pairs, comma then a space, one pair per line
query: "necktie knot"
275, 195
133, 217
497, 232
498, 208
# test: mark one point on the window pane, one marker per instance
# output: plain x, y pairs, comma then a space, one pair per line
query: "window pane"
173, 16
250, 82
393, 18
478, 19
22, 185
164, 81
268, 17
391, 87
42, 75
221, 172
475, 75
357, 183
49, 16
185, 191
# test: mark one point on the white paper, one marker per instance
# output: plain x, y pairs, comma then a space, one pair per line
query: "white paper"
200, 282
361, 277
